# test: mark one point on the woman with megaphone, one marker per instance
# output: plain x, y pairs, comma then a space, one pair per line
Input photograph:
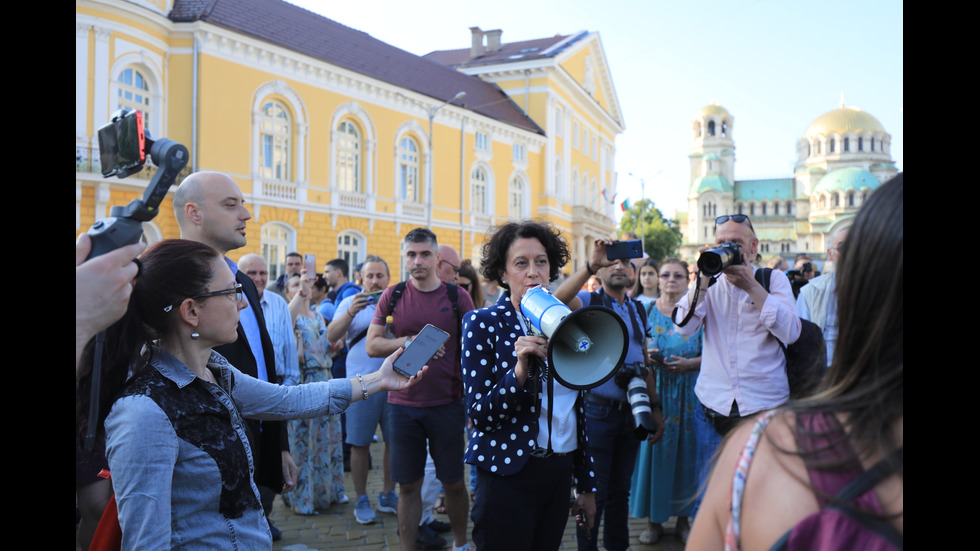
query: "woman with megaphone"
529, 443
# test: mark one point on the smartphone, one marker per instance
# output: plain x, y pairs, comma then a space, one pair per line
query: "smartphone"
632, 248
373, 297
309, 262
421, 350
122, 144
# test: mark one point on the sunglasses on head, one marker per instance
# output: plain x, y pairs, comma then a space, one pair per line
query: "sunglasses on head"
737, 218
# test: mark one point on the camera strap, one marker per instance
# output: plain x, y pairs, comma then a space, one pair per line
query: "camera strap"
690, 310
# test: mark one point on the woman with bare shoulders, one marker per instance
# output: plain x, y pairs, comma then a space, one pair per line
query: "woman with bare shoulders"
776, 474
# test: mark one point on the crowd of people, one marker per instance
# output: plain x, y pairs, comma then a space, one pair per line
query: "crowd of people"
220, 389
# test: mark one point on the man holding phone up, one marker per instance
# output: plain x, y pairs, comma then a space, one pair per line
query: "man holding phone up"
351, 321
432, 411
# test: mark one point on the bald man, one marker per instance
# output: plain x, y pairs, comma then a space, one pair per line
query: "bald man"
210, 209
448, 269
278, 320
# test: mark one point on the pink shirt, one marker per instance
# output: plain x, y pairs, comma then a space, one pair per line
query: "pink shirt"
741, 359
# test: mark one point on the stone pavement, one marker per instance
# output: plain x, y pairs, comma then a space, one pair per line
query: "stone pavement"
335, 528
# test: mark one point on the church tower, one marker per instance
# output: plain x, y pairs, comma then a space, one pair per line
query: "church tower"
712, 188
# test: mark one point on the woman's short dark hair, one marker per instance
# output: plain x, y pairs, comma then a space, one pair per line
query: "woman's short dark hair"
494, 258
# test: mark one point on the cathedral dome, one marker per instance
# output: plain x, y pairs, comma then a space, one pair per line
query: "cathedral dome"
845, 119
851, 178
711, 182
714, 109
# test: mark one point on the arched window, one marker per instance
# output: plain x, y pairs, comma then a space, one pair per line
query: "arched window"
741, 208
789, 208
275, 129
711, 128
835, 200
850, 199
775, 208
478, 197
408, 170
349, 157
724, 128
351, 246
277, 240
860, 143
751, 209
833, 145
872, 144
764, 208
516, 206
847, 145
134, 93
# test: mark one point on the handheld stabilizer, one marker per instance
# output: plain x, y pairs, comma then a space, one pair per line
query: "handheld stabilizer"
123, 148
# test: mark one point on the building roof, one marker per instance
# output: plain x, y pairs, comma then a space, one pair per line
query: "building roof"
777, 189
711, 182
845, 119
307, 33
522, 50
847, 179
714, 109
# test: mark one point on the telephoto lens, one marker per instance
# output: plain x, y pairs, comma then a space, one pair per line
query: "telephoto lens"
639, 401
713, 261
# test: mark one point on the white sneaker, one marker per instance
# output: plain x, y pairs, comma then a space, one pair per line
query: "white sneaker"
652, 534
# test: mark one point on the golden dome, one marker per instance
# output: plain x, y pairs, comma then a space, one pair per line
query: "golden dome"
714, 109
845, 119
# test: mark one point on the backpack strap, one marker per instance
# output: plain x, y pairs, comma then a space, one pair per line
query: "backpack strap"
453, 291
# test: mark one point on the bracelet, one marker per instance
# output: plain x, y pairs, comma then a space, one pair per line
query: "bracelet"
589, 268
363, 390
349, 314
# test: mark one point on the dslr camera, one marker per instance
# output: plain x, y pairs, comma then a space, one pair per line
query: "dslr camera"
714, 260
631, 378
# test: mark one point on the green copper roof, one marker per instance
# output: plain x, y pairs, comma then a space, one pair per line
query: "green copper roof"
712, 156
845, 179
713, 182
764, 190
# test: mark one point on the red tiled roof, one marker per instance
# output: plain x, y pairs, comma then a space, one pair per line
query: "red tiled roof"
305, 32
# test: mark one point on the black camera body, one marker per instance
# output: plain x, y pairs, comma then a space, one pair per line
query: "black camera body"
714, 260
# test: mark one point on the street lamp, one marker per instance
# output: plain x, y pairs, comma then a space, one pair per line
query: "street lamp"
431, 168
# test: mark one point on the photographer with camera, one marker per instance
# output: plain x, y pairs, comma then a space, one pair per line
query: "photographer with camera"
614, 434
743, 367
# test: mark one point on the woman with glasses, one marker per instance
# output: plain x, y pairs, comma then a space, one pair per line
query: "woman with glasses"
664, 480
175, 438
316, 444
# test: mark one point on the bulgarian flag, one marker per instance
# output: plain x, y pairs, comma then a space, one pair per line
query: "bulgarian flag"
625, 205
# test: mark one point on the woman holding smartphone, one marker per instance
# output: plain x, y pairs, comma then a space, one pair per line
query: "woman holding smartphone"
175, 439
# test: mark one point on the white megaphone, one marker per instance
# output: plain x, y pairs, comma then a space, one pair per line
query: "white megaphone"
585, 346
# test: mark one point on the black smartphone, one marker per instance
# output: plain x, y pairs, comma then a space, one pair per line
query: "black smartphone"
421, 350
632, 248
122, 144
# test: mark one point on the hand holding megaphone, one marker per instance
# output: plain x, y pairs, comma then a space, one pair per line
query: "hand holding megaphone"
528, 347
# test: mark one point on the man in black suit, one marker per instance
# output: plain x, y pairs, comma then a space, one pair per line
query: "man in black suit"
210, 209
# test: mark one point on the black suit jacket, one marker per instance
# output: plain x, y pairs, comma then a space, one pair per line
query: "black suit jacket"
267, 438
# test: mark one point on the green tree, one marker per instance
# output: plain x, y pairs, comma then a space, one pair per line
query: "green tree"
662, 236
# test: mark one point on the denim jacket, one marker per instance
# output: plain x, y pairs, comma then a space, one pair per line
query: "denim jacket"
179, 455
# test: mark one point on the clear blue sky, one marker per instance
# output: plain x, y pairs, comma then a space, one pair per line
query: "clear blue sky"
775, 65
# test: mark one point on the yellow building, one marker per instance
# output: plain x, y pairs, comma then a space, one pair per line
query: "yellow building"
342, 143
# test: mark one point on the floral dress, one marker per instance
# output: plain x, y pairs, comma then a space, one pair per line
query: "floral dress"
316, 444
664, 479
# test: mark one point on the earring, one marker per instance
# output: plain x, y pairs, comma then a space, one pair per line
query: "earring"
195, 335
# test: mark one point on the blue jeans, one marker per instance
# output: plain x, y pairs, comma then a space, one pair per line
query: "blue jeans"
613, 448
708, 441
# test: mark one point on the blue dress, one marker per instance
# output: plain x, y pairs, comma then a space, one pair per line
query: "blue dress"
664, 479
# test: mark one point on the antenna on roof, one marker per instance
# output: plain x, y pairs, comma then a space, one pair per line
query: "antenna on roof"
841, 99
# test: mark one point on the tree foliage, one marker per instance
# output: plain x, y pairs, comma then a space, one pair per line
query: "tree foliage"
662, 236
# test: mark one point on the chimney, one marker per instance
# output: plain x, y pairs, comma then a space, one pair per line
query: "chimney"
476, 47
493, 40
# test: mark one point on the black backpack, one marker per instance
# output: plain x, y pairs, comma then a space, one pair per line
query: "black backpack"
807, 357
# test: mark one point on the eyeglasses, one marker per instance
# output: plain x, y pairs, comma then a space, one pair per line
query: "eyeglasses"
236, 290
455, 267
737, 218
666, 275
